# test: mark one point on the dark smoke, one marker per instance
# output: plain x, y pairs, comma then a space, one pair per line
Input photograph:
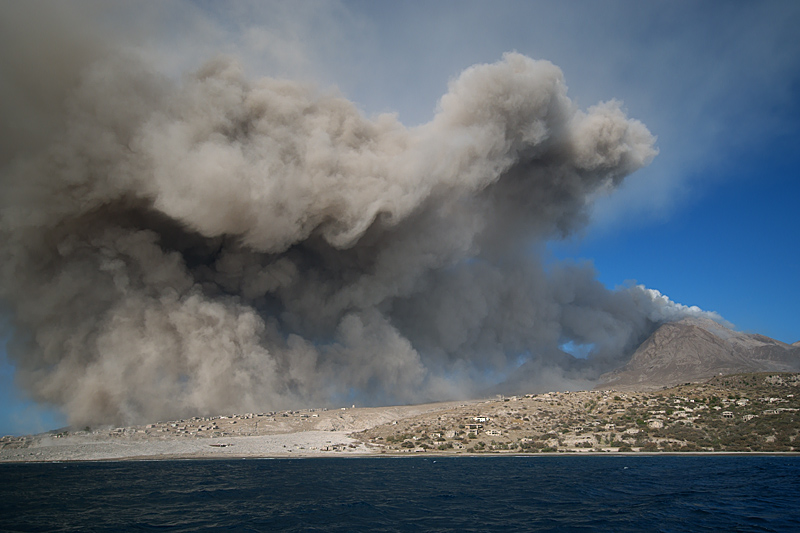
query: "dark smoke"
218, 244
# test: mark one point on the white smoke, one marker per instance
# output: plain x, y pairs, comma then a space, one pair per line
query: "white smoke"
221, 244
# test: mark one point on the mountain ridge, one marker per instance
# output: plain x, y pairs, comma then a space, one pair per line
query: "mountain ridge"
694, 349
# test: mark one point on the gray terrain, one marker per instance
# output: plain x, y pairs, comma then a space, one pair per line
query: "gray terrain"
696, 349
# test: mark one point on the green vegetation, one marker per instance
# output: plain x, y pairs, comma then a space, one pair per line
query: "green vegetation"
741, 413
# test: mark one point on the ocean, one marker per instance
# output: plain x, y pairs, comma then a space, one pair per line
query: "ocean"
533, 493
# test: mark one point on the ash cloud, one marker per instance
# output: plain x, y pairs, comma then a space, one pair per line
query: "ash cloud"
222, 244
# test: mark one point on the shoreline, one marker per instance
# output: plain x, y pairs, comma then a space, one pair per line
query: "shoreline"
80, 448
303, 445
748, 414
159, 458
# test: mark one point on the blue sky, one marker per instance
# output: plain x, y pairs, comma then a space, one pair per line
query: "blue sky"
712, 222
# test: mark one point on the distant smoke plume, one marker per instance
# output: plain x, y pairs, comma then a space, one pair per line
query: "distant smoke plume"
219, 244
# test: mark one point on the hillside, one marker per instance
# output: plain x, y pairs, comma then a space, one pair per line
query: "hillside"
746, 412
754, 412
694, 349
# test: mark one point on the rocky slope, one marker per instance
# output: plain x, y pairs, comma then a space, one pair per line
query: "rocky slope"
756, 412
694, 349
740, 413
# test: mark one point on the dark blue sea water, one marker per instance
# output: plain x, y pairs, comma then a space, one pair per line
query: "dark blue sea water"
558, 493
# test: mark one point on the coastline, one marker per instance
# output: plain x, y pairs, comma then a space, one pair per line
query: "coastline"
360, 454
747, 414
298, 433
76, 448
299, 445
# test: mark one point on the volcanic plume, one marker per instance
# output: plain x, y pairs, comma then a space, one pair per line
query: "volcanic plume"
223, 244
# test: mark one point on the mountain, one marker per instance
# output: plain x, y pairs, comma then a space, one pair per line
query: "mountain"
695, 349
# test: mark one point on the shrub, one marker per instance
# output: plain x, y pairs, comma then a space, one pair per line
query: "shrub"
650, 446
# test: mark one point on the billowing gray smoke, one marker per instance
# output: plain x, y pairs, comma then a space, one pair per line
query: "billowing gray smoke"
217, 244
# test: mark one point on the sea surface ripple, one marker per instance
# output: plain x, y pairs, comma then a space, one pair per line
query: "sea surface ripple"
550, 493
